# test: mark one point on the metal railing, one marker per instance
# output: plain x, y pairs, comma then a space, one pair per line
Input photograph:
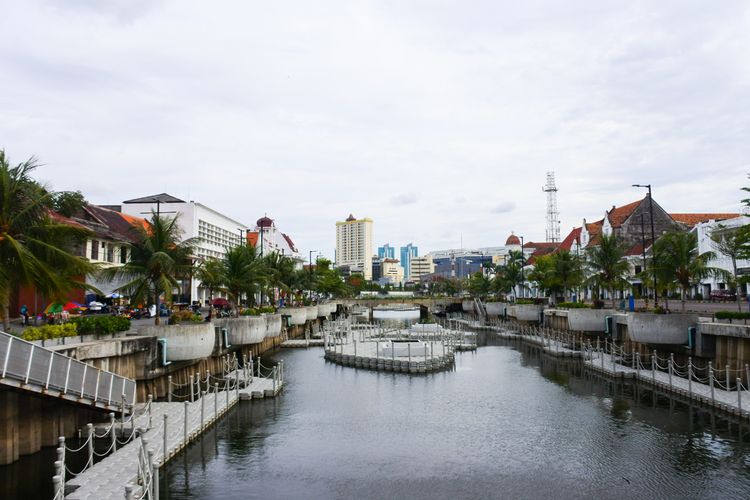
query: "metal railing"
27, 364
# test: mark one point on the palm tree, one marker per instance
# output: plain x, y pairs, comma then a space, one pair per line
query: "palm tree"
157, 259
280, 271
209, 273
479, 285
509, 276
568, 269
35, 249
680, 263
735, 244
606, 264
545, 276
242, 273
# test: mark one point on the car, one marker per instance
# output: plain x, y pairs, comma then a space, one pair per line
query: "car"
723, 295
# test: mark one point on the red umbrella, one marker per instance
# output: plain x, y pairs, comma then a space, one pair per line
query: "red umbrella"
221, 302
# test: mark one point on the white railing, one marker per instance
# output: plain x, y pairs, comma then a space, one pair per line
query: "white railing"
28, 364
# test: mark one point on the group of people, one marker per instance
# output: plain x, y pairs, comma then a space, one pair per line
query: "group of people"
51, 318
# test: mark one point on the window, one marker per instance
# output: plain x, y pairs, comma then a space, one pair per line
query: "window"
123, 255
94, 250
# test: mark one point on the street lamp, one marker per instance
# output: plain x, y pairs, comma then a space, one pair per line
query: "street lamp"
653, 238
523, 263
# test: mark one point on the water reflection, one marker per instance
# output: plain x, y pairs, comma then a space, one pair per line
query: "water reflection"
509, 421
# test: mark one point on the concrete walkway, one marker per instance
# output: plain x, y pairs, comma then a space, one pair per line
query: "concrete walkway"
733, 402
107, 478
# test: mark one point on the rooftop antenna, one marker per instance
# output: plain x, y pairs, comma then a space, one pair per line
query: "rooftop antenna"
553, 216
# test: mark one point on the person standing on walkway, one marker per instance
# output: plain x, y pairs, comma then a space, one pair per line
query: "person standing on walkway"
24, 315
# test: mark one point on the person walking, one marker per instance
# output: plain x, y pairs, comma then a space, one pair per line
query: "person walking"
24, 315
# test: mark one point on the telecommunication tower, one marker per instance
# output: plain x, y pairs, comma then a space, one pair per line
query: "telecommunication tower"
553, 216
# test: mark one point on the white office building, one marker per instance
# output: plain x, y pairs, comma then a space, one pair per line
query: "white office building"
704, 230
216, 231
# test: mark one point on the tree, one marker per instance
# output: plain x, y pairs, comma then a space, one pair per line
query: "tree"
280, 272
568, 269
242, 272
509, 276
735, 244
157, 259
606, 265
678, 261
545, 276
35, 248
209, 273
479, 285
68, 203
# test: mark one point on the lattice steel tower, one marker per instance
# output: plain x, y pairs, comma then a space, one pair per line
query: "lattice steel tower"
553, 216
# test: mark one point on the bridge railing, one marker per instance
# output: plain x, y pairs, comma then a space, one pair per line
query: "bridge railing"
28, 364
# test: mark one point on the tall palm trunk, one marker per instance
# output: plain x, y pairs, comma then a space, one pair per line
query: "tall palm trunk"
612, 296
737, 284
682, 298
5, 310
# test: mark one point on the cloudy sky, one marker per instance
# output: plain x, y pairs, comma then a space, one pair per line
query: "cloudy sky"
438, 119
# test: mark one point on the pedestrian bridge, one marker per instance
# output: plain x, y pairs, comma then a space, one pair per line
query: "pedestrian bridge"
30, 368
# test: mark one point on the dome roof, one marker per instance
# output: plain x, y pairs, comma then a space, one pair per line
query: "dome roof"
264, 222
512, 240
351, 218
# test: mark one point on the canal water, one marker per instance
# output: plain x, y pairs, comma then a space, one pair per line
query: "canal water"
508, 422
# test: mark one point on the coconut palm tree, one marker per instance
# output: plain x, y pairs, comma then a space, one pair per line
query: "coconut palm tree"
158, 258
509, 276
568, 269
680, 263
35, 247
607, 267
280, 272
209, 273
243, 272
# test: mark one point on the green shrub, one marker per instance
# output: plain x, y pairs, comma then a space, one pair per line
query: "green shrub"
47, 332
730, 315
524, 301
185, 316
101, 325
257, 311
573, 305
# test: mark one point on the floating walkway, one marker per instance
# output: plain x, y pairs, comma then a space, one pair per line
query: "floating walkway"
156, 432
422, 348
721, 389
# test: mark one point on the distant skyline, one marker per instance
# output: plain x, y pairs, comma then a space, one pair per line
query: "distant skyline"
437, 121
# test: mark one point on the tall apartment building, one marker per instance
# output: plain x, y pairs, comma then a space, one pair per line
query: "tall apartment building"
407, 253
386, 252
354, 245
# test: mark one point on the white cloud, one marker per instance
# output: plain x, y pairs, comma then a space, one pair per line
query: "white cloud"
309, 112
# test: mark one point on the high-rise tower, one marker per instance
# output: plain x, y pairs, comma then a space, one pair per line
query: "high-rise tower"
553, 216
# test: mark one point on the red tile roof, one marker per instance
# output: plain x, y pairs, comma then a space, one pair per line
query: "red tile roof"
572, 237
618, 215
595, 230
289, 242
693, 219
636, 249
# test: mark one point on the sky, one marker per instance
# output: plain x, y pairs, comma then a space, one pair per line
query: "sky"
437, 119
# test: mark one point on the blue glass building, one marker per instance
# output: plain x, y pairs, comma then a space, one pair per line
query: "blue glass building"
386, 252
407, 253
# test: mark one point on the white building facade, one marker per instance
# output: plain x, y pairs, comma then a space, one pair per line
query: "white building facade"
704, 231
216, 231
354, 245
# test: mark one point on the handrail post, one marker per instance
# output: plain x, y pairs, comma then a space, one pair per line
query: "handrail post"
165, 454
671, 367
192, 388
711, 381
185, 430
653, 367
739, 393
150, 400
203, 407
726, 368
637, 359
208, 381
274, 379
690, 376
169, 394
216, 400
90, 431
112, 430
151, 471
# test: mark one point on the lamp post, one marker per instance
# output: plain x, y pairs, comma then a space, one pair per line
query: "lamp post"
311, 270
523, 263
653, 238
643, 244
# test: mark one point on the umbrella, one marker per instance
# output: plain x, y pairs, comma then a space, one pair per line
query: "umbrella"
69, 306
96, 306
114, 295
54, 307
220, 301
